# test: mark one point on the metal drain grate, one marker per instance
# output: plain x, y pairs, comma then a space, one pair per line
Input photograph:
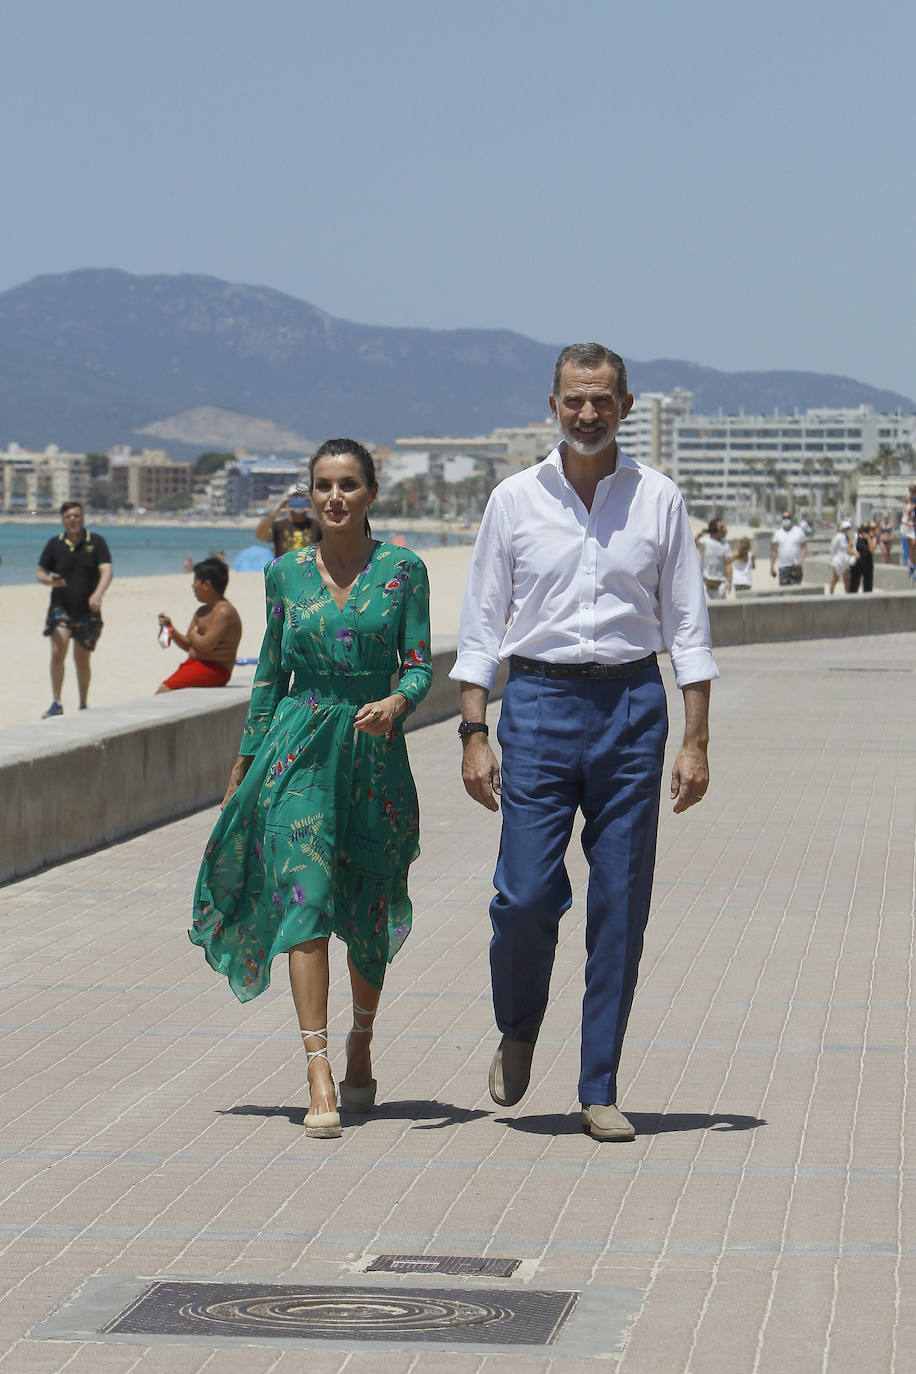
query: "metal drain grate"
245, 1310
490, 1267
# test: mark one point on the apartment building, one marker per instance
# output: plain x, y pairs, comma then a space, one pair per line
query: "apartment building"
647, 434
509, 447
144, 479
41, 481
734, 458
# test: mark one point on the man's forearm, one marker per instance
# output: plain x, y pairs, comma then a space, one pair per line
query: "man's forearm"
474, 702
696, 714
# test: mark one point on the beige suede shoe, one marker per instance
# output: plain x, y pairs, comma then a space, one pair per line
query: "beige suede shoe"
510, 1071
606, 1123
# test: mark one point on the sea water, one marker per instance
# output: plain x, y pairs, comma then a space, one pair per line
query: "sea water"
151, 550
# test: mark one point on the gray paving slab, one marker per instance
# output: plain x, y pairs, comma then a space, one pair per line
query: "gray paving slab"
763, 1220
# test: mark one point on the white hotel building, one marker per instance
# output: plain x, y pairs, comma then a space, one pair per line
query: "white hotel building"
730, 459
733, 458
647, 434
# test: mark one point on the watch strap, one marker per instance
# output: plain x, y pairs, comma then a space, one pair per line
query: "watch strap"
472, 727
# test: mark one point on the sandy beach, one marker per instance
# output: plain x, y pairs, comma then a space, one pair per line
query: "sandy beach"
129, 664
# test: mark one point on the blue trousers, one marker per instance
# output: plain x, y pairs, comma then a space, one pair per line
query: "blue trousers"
569, 743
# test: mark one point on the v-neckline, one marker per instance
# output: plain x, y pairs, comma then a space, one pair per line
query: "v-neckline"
356, 581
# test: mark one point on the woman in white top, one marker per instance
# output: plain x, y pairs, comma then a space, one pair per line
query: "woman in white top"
840, 557
743, 567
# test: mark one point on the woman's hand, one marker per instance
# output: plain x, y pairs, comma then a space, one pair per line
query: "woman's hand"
239, 769
378, 717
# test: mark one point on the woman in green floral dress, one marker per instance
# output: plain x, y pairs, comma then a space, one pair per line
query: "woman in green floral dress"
319, 823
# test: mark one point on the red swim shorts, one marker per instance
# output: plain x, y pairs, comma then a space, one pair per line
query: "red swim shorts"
198, 672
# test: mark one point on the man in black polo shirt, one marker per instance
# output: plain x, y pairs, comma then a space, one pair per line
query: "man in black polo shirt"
77, 566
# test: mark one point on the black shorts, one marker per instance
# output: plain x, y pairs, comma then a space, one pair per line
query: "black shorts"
85, 629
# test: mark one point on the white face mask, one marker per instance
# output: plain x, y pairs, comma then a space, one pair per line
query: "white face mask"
787, 524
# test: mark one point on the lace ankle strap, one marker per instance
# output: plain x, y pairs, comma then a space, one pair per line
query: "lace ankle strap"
356, 1028
315, 1054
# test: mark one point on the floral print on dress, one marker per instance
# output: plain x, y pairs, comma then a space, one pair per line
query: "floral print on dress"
319, 836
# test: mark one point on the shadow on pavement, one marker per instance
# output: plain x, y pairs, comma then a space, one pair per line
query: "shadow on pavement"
660, 1123
426, 1114
645, 1123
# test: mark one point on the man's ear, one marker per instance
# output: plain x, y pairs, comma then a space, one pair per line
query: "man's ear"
626, 405
553, 406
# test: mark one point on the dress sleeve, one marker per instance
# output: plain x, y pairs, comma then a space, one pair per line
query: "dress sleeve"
271, 683
416, 671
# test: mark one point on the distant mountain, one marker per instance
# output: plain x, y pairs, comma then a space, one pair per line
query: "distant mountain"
96, 357
209, 427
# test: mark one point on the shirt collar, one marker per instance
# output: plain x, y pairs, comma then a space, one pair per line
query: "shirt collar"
554, 461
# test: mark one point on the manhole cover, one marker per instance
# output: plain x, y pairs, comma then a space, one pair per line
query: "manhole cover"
460, 1316
490, 1266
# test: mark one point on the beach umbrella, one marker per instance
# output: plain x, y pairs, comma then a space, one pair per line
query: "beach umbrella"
252, 558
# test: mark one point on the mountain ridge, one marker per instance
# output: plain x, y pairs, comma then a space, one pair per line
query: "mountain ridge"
96, 356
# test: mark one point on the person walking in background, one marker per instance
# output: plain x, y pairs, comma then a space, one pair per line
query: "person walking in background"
788, 552
743, 567
716, 560
584, 568
885, 537
840, 557
908, 531
862, 572
213, 636
320, 820
289, 525
77, 566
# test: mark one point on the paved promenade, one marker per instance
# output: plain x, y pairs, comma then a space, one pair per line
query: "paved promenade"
764, 1218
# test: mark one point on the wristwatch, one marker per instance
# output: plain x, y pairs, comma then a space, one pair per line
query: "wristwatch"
471, 727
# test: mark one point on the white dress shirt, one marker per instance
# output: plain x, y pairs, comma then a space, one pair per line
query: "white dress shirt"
553, 581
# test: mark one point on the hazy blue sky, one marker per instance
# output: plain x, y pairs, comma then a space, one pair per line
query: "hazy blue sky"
728, 183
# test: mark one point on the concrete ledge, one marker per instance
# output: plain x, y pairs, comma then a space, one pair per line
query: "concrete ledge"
77, 782
771, 619
72, 784
889, 577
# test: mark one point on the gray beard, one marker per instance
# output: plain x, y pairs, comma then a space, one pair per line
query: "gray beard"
588, 448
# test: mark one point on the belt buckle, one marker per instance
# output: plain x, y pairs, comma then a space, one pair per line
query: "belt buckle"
595, 670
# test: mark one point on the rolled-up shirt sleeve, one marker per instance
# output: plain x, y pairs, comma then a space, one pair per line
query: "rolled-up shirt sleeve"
487, 599
682, 602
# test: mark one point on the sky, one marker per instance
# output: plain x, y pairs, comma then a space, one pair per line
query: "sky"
719, 182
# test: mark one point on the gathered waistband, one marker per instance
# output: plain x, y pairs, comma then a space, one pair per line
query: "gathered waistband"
347, 689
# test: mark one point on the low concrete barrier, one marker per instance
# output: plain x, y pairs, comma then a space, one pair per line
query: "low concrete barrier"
770, 619
71, 784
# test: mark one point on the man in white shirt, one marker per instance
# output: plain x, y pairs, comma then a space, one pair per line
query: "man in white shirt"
584, 568
788, 552
716, 560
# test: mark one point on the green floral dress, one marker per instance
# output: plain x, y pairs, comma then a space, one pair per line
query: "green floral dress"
320, 834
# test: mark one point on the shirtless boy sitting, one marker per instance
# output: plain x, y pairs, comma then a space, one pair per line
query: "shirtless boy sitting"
213, 636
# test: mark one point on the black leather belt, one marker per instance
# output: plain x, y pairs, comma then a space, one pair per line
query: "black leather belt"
599, 671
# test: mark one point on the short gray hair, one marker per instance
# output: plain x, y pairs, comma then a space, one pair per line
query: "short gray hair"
591, 355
